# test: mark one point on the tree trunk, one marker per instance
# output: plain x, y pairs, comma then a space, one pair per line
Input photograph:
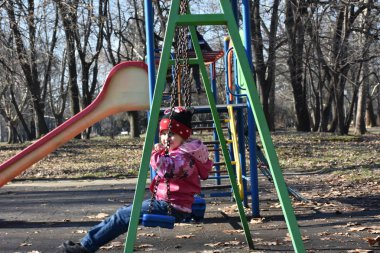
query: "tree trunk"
369, 114
67, 10
378, 113
360, 127
265, 72
326, 114
316, 112
133, 119
350, 113
272, 107
28, 63
296, 37
12, 133
20, 116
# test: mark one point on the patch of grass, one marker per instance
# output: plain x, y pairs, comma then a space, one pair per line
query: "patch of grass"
359, 175
102, 157
325, 152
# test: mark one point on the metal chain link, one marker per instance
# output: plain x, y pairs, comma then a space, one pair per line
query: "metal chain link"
168, 194
182, 68
153, 198
180, 53
184, 48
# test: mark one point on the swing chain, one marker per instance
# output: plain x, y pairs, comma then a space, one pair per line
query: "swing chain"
183, 47
168, 194
153, 198
181, 69
180, 52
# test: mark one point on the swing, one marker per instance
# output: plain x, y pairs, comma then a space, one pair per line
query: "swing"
198, 209
161, 220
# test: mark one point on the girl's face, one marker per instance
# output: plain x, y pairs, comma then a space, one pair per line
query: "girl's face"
175, 140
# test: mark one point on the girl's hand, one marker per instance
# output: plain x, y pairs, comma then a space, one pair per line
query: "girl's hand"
158, 147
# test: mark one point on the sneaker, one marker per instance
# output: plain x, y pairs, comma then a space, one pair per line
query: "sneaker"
72, 247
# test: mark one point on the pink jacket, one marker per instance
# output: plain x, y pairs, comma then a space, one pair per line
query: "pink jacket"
187, 164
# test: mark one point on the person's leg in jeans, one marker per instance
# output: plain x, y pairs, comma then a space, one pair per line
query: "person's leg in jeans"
116, 225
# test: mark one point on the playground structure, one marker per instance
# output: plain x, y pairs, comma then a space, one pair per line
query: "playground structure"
227, 18
126, 88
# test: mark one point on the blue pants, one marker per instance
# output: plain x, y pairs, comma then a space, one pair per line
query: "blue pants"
117, 224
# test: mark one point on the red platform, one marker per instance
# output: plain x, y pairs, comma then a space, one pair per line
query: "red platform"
208, 56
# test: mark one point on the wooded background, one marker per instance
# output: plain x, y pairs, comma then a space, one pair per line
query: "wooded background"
317, 63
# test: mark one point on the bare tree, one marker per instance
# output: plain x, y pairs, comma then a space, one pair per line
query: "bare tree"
27, 57
129, 31
58, 94
296, 17
89, 30
265, 71
67, 10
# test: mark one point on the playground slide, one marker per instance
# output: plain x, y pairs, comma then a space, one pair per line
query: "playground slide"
125, 89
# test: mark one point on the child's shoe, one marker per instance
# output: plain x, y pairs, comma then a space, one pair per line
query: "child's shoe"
71, 247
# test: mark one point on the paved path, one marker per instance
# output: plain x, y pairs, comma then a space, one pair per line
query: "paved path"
38, 216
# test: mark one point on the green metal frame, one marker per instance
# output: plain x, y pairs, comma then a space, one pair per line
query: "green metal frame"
227, 18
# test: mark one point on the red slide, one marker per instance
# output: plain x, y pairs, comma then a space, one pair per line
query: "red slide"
125, 89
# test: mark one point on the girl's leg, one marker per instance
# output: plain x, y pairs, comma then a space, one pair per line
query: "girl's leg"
116, 225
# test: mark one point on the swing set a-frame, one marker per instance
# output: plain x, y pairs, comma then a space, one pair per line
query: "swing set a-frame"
227, 18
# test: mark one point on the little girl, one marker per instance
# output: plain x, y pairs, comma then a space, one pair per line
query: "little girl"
184, 165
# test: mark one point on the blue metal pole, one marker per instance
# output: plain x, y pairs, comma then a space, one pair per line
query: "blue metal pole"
251, 122
150, 59
148, 9
234, 4
215, 135
241, 143
226, 74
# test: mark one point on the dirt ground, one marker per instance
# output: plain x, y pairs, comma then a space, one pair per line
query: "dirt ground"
38, 216
340, 176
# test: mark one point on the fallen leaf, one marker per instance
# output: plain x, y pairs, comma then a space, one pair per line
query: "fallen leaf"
275, 206
374, 229
147, 234
144, 246
257, 220
24, 244
288, 239
80, 231
358, 229
234, 243
213, 245
233, 231
324, 233
372, 241
183, 224
113, 245
350, 224
184, 236
98, 216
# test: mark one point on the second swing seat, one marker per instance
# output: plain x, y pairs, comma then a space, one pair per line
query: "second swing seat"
158, 220
198, 209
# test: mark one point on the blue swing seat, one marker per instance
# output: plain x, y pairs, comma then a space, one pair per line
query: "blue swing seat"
198, 209
158, 220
